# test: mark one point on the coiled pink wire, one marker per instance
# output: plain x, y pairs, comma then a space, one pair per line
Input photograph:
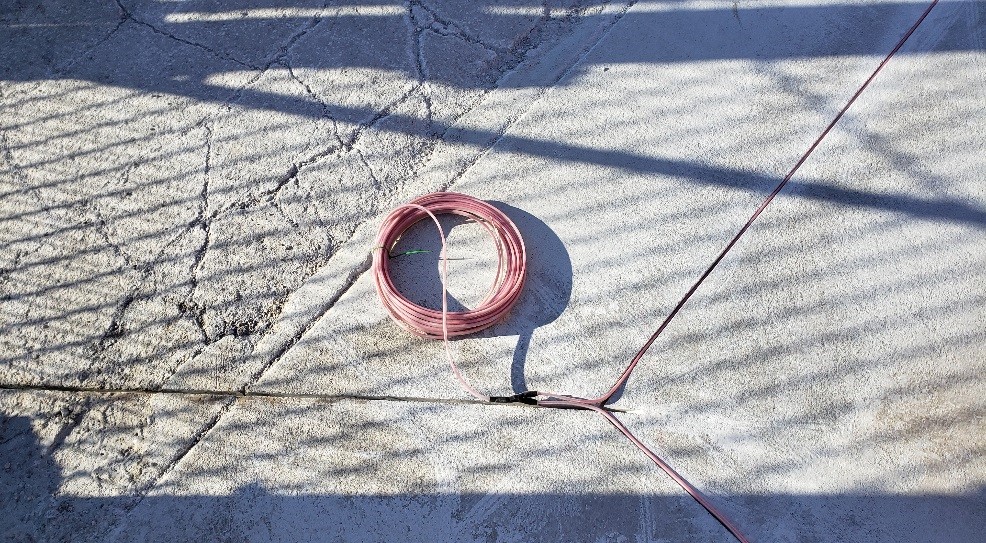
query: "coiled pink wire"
509, 281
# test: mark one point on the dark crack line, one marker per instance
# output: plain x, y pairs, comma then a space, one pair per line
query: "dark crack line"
63, 69
379, 117
326, 114
204, 222
181, 363
369, 169
75, 419
343, 147
448, 27
128, 15
417, 49
102, 228
288, 45
420, 64
284, 50
236, 395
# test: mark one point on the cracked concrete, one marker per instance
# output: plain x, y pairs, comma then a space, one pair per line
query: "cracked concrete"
189, 193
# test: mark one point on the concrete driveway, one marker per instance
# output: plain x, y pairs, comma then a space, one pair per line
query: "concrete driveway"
191, 347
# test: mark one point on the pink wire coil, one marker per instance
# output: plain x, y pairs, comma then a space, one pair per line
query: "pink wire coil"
507, 285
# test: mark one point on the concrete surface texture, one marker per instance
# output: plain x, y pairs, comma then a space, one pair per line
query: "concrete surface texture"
190, 195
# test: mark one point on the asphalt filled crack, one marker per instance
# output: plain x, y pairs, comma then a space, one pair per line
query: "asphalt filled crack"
235, 395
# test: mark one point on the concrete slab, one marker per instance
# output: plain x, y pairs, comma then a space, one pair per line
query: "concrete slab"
169, 179
623, 207
199, 214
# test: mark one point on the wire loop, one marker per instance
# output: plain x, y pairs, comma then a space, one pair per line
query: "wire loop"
507, 286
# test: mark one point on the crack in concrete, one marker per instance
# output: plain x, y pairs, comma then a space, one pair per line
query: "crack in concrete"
170, 373
447, 27
420, 63
369, 169
218, 54
344, 146
75, 418
113, 332
62, 70
379, 117
416, 52
203, 221
326, 114
102, 228
289, 44
284, 50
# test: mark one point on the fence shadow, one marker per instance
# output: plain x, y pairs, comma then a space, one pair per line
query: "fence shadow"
35, 510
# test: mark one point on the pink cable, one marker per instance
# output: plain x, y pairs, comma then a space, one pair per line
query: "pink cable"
511, 271
509, 281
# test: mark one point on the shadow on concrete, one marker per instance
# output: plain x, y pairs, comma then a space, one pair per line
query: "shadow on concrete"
762, 34
34, 509
226, 32
546, 293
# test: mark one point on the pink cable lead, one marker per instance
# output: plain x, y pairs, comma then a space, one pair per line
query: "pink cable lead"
511, 271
